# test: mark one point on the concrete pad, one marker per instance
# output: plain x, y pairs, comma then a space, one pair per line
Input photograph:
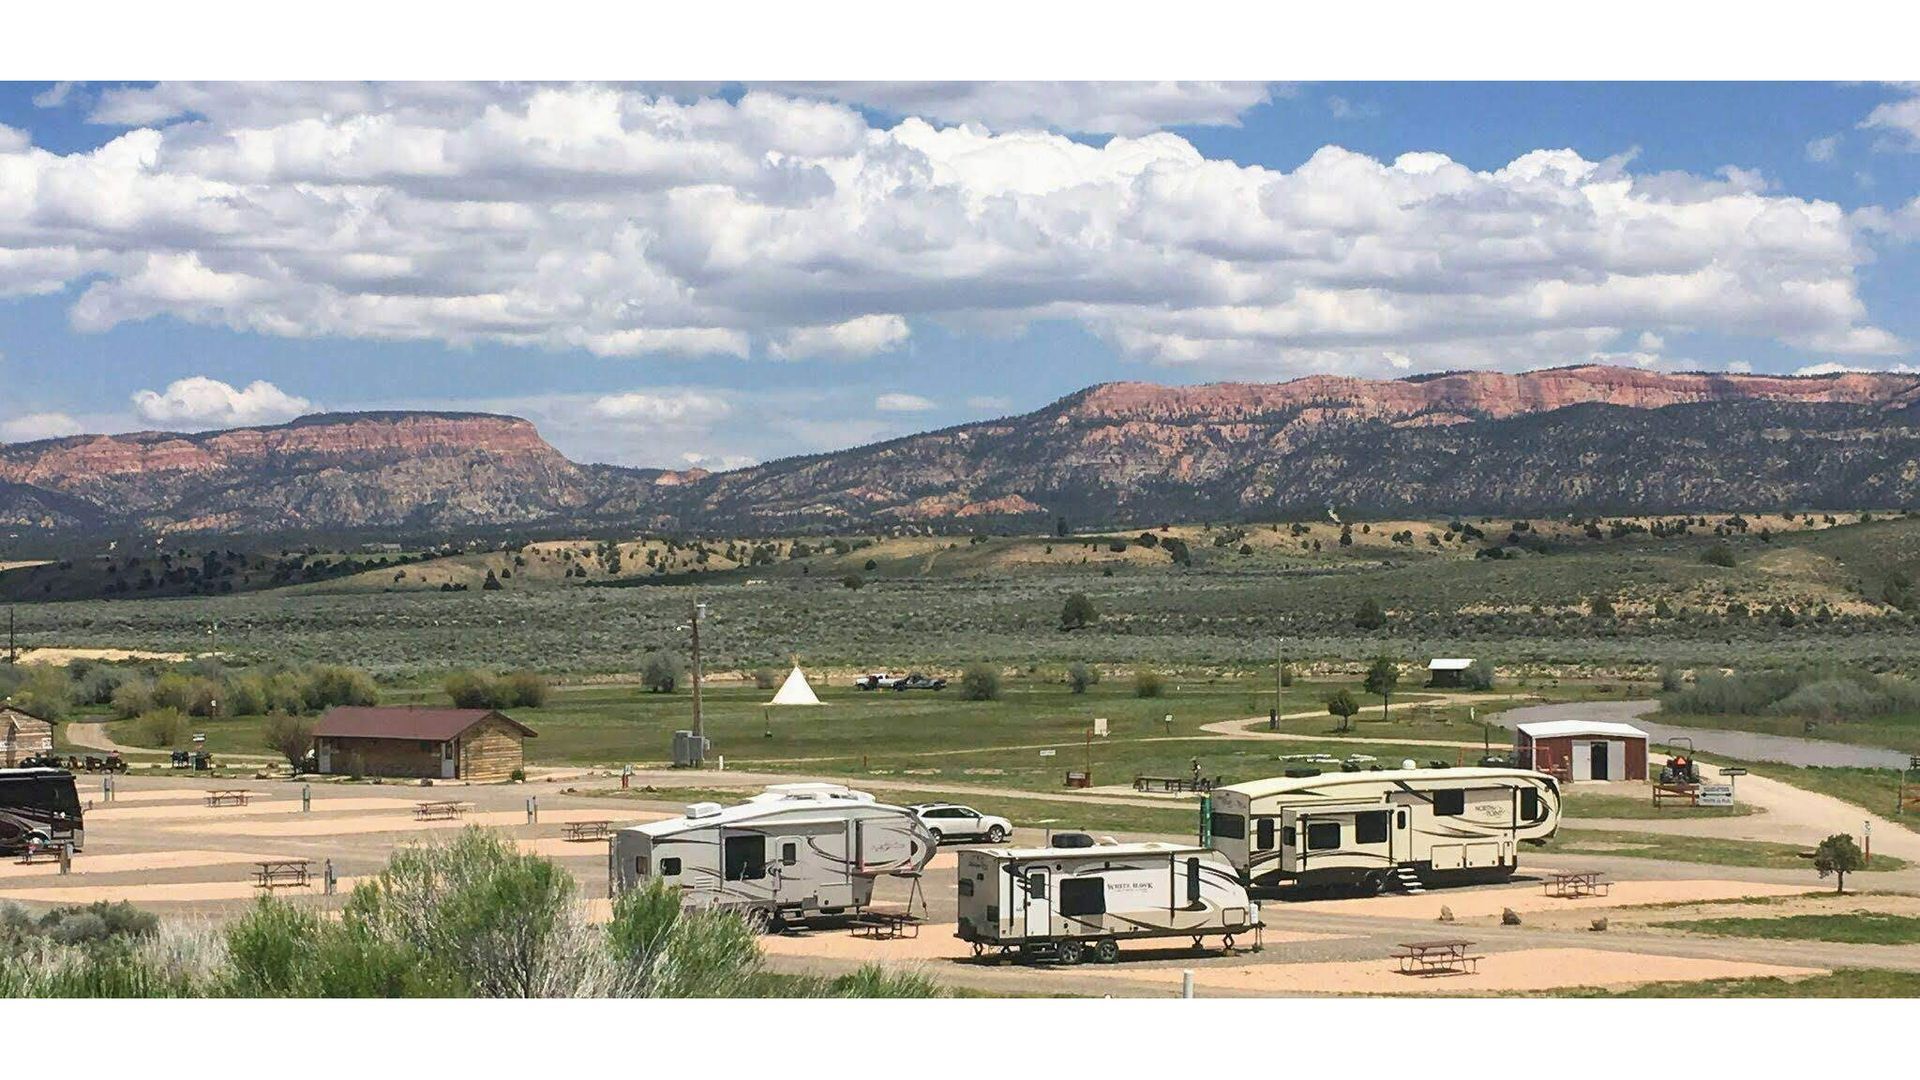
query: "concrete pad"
135, 861
179, 893
1522, 970
304, 825
1478, 903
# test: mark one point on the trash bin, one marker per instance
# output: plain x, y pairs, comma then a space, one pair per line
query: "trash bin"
689, 752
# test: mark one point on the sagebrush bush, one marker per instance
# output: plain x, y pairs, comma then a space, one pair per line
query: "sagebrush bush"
980, 682
1148, 683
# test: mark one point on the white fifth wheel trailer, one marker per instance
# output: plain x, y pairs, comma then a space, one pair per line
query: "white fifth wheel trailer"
1066, 904
1407, 828
793, 851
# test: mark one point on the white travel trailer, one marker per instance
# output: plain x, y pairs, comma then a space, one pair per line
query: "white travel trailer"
793, 851
1406, 827
1068, 903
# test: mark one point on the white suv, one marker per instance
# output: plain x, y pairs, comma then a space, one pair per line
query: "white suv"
951, 821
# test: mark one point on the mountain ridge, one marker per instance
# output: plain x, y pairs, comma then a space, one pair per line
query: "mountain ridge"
1109, 452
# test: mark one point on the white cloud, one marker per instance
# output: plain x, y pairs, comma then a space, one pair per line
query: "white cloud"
902, 403
202, 402
626, 224
1739, 367
991, 403
1828, 368
45, 425
53, 96
853, 339
1651, 342
1823, 149
1112, 108
1898, 121
674, 408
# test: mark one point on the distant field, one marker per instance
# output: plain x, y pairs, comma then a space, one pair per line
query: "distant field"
1853, 928
1692, 849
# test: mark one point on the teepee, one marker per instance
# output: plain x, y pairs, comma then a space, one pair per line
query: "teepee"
795, 690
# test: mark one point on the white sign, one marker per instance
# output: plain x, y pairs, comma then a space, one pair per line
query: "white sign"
1716, 794
1100, 726
1048, 753
200, 736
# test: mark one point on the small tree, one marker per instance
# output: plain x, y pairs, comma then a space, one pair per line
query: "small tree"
1382, 677
1600, 607
1718, 554
522, 689
472, 690
661, 673
1080, 676
290, 737
1370, 616
980, 682
1838, 855
1077, 612
853, 581
1148, 684
1479, 675
1342, 705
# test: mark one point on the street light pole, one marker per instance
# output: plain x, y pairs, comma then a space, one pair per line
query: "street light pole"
699, 729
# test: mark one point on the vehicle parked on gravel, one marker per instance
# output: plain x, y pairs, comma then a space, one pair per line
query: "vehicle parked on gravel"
878, 680
951, 821
917, 681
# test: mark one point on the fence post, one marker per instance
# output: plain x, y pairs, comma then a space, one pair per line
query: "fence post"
330, 884
1186, 983
106, 788
66, 857
306, 798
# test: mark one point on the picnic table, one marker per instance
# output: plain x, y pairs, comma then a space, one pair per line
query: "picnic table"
1174, 784
886, 924
1445, 957
33, 853
272, 873
445, 810
231, 797
587, 830
1574, 884
1686, 793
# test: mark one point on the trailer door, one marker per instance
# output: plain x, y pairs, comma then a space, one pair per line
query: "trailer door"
1033, 891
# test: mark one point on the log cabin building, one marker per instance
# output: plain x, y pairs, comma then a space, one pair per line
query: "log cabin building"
477, 745
22, 735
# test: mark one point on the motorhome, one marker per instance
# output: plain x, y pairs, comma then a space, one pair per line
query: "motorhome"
1069, 904
1404, 828
792, 852
39, 808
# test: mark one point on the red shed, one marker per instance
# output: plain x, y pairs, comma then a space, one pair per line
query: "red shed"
1583, 749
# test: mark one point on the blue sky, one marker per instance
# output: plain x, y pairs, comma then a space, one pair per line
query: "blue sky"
714, 275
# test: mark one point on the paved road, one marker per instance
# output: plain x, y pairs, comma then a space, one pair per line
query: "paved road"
1744, 745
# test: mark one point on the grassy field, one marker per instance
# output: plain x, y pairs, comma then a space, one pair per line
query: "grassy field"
1853, 928
1577, 803
1873, 790
1692, 849
1844, 983
939, 602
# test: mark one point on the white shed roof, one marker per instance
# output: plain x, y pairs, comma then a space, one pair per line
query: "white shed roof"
1553, 729
1453, 663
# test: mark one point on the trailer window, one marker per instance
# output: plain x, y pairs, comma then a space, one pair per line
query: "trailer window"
1450, 803
1323, 835
1288, 837
1037, 885
1263, 832
966, 887
1230, 826
1529, 804
1400, 819
640, 868
1370, 827
789, 854
1193, 881
746, 858
1083, 896
669, 868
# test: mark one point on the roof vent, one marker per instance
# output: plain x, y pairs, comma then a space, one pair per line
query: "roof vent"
702, 809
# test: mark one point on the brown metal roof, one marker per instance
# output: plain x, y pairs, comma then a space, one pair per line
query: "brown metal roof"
404, 722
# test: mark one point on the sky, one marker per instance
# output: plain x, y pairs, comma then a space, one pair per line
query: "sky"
678, 275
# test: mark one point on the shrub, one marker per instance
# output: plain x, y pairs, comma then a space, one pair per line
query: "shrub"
1341, 704
523, 690
162, 728
1718, 554
1077, 612
853, 581
980, 682
1370, 616
471, 690
765, 678
326, 687
131, 698
1479, 676
44, 691
1148, 684
661, 673
1670, 678
1080, 676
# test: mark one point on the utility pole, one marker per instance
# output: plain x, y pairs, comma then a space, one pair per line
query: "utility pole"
13, 651
699, 729
1279, 677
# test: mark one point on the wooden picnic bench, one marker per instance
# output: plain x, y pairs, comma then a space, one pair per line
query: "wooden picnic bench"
1574, 884
234, 797
34, 853
883, 924
273, 873
587, 830
1446, 957
1173, 784
1687, 793
445, 810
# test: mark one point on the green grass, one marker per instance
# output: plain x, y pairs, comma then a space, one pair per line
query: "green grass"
1896, 731
1873, 790
1692, 849
1852, 928
1843, 983
1577, 804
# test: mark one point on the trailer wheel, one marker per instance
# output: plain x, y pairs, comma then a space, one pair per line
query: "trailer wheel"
1106, 951
1071, 952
